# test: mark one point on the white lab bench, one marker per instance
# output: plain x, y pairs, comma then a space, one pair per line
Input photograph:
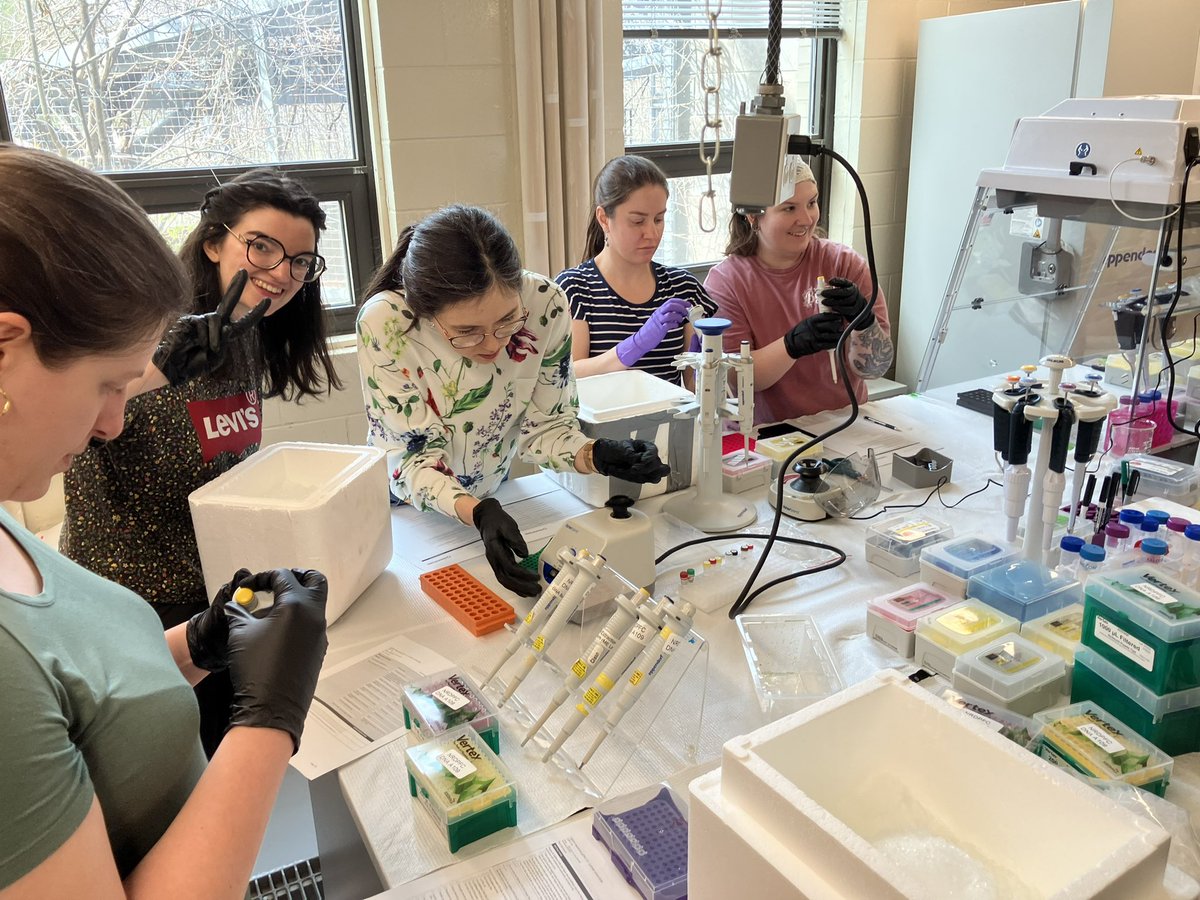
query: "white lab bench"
360, 799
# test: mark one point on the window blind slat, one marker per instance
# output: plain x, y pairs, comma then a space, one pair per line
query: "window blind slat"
687, 14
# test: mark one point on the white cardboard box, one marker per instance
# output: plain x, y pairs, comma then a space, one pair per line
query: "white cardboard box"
806, 806
302, 506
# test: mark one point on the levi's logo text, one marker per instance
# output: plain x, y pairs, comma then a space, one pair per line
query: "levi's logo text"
227, 424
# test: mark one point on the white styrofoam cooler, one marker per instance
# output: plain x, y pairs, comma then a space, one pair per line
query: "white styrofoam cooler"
626, 405
809, 806
298, 506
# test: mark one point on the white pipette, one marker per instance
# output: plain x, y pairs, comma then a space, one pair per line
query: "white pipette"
826, 308
648, 665
589, 567
650, 621
617, 625
546, 605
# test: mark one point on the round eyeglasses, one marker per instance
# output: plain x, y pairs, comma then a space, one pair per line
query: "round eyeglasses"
467, 341
264, 252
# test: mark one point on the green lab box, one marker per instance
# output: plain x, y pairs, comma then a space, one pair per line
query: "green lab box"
1147, 625
463, 785
446, 700
1170, 722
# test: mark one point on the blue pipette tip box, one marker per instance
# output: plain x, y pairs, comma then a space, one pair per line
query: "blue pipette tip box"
646, 833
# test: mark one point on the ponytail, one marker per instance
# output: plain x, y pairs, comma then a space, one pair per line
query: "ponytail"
593, 243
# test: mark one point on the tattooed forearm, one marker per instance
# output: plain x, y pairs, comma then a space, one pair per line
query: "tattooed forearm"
871, 352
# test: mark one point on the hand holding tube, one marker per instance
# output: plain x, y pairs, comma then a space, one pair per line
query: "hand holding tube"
274, 661
208, 631
814, 334
501, 540
843, 296
667, 317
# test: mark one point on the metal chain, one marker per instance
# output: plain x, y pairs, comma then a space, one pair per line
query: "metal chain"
710, 80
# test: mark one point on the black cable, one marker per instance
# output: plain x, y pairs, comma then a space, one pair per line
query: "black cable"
937, 489
1166, 319
774, 41
745, 596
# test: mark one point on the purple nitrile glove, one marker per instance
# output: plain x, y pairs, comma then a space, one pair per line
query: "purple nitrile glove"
670, 315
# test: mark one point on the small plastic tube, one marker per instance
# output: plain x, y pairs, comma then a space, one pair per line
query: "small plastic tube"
1068, 555
1152, 552
252, 601
1131, 517
1158, 515
1116, 538
1091, 561
1176, 525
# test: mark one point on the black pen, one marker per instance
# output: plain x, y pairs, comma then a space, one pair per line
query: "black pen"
884, 424
1135, 478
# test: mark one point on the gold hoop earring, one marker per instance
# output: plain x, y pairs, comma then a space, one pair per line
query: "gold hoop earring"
7, 402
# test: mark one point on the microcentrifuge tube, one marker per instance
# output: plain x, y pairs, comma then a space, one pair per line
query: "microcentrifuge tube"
648, 665
544, 607
589, 576
649, 623
617, 625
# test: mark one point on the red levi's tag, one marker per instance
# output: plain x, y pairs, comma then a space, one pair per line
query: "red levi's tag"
227, 424
733, 441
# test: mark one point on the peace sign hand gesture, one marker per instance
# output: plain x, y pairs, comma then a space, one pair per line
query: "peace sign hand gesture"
196, 344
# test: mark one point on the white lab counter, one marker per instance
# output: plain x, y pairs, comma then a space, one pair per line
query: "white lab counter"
375, 787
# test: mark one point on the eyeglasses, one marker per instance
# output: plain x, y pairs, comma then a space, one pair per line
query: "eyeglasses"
466, 341
265, 252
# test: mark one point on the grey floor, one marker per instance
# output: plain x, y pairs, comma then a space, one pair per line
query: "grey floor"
290, 835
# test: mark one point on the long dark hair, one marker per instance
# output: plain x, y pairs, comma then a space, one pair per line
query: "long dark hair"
454, 254
619, 178
294, 346
80, 260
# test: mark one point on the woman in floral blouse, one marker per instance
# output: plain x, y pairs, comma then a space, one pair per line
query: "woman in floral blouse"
465, 361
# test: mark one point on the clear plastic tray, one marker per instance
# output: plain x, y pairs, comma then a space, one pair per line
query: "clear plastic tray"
1024, 589
1159, 477
465, 787
646, 832
789, 662
446, 700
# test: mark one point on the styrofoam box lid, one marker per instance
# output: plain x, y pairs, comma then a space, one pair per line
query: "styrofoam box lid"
907, 605
1172, 476
1023, 583
622, 395
1061, 628
964, 556
965, 625
1164, 607
1112, 726
907, 535
289, 475
1157, 705
1010, 667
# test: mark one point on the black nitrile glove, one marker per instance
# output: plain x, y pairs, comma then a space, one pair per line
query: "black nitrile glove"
274, 661
635, 461
843, 296
814, 334
196, 345
501, 540
208, 631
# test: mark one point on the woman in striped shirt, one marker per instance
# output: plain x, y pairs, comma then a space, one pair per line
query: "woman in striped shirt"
627, 310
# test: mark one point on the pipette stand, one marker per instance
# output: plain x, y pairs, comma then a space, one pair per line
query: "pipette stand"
706, 505
1088, 406
674, 699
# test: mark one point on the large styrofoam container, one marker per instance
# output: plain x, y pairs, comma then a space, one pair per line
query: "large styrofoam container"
302, 506
833, 800
627, 405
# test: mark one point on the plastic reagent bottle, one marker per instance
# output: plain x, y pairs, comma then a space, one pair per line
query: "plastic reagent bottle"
1068, 555
1091, 561
1152, 551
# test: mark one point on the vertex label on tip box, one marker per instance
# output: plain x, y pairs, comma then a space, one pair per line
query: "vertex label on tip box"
447, 700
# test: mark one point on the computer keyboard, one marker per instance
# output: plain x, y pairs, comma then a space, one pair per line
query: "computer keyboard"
978, 399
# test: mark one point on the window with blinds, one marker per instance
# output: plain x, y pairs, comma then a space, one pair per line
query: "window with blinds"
664, 44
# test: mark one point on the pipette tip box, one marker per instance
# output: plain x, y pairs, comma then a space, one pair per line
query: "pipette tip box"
1059, 633
646, 833
892, 619
1012, 672
789, 662
1024, 589
1019, 729
744, 471
1090, 742
950, 564
446, 700
896, 544
463, 785
945, 635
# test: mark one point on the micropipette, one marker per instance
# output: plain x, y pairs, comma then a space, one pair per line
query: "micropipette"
1055, 479
745, 401
649, 623
610, 634
588, 577
649, 664
826, 308
544, 607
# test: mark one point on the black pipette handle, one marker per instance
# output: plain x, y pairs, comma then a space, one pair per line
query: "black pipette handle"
1020, 432
1060, 435
1087, 439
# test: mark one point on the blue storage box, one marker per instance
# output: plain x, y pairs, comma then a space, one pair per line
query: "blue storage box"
1024, 589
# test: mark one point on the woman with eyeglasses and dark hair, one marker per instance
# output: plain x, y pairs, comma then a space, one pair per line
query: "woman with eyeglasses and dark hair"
465, 361
199, 406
